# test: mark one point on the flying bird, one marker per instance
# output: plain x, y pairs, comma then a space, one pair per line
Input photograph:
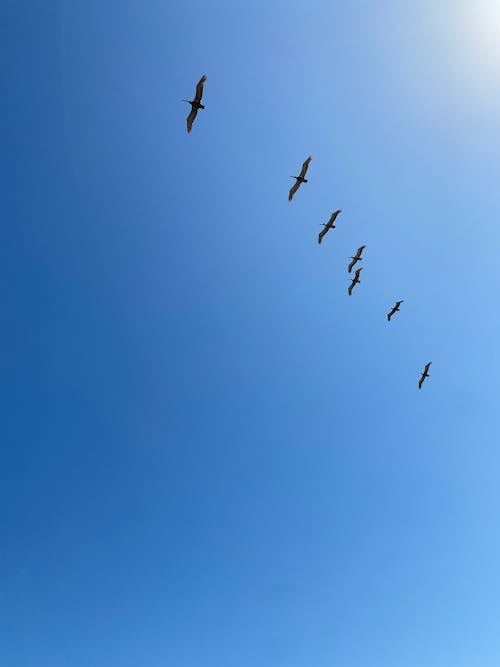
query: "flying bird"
328, 225
356, 257
425, 374
393, 310
299, 179
196, 103
354, 281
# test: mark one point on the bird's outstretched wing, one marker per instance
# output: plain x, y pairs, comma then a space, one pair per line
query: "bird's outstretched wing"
390, 314
293, 190
350, 288
322, 233
190, 118
305, 166
359, 251
356, 275
353, 262
334, 217
427, 366
421, 382
199, 89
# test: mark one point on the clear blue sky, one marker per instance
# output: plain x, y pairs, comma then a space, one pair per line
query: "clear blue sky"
210, 454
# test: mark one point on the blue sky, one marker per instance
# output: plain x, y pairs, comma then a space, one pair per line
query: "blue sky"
211, 455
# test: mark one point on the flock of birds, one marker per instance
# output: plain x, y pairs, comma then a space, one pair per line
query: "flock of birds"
196, 105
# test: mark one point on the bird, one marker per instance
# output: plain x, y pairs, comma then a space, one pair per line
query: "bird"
328, 225
196, 103
393, 310
425, 374
299, 179
354, 281
356, 257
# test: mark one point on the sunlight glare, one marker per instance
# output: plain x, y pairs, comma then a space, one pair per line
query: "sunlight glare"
478, 43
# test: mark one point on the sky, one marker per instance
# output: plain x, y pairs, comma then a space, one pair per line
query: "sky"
211, 454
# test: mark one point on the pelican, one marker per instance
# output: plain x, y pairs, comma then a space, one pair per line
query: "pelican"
356, 257
196, 103
299, 179
328, 225
393, 310
425, 374
354, 281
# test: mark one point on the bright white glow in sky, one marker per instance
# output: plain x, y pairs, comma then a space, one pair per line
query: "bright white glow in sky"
470, 32
475, 35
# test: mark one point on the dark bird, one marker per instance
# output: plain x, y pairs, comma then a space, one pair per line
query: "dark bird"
354, 281
393, 310
328, 225
425, 374
356, 257
299, 179
196, 103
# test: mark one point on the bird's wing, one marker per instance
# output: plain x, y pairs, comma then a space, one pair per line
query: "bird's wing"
334, 216
199, 88
190, 118
360, 250
350, 288
427, 366
321, 234
358, 271
293, 190
420, 382
349, 268
390, 314
304, 167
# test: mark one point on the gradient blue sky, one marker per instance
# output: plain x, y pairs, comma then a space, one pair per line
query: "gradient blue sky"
211, 455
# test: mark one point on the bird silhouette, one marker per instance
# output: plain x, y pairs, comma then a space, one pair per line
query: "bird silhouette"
328, 225
354, 281
299, 179
424, 375
393, 310
356, 257
196, 103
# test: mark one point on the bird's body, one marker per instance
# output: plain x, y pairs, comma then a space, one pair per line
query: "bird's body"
299, 179
196, 103
328, 225
354, 281
393, 310
356, 257
424, 375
